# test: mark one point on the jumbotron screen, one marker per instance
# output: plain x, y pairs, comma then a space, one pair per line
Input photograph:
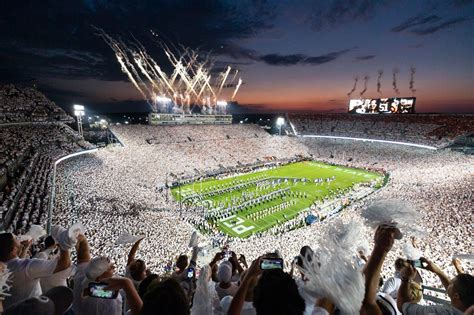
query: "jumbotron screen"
394, 105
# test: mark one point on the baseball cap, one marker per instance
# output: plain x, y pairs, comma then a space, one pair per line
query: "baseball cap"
95, 268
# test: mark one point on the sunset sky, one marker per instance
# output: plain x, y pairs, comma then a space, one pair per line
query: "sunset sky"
292, 55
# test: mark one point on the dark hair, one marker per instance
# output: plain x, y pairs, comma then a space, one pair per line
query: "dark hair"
399, 264
182, 262
49, 241
464, 286
276, 293
165, 298
145, 283
304, 251
6, 245
136, 269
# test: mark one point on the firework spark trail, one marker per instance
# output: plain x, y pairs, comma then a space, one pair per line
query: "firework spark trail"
412, 79
356, 79
190, 81
223, 80
366, 79
237, 88
394, 83
235, 75
379, 77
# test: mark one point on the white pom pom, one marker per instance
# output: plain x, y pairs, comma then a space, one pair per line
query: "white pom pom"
332, 274
411, 253
36, 231
205, 294
393, 212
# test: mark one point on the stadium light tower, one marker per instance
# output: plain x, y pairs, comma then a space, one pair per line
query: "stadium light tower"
79, 112
280, 122
222, 105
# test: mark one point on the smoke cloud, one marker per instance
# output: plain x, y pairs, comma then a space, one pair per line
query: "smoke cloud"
356, 79
394, 83
412, 79
366, 79
379, 77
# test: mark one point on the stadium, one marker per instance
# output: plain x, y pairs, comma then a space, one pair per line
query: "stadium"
239, 186
236, 158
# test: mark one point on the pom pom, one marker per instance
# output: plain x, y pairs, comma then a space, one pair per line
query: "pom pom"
205, 294
411, 253
36, 231
395, 213
332, 274
347, 236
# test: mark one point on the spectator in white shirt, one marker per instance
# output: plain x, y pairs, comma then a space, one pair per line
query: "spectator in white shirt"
26, 273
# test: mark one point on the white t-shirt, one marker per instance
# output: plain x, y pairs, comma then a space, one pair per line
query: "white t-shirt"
26, 274
221, 292
247, 308
391, 286
56, 279
86, 305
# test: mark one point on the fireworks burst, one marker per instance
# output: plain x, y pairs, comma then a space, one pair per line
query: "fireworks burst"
190, 84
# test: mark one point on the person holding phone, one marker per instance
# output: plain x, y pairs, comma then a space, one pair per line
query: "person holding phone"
96, 289
459, 290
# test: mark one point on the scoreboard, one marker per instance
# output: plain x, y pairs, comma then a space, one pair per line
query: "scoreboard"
181, 119
394, 105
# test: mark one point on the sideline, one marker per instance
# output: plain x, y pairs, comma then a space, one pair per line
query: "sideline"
53, 188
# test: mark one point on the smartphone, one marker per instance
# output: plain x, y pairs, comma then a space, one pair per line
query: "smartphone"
271, 263
97, 290
190, 274
416, 263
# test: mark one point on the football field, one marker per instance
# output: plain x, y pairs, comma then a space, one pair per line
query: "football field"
249, 203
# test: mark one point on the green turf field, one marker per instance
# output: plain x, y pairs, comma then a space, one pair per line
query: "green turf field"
291, 194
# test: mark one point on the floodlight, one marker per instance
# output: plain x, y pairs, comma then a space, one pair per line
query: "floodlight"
221, 103
78, 107
78, 113
280, 122
163, 99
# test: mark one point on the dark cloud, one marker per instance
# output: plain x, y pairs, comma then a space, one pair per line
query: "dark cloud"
57, 39
415, 21
292, 59
362, 58
332, 13
434, 28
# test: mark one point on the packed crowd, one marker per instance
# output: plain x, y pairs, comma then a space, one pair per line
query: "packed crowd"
114, 194
337, 275
436, 130
27, 153
19, 105
119, 185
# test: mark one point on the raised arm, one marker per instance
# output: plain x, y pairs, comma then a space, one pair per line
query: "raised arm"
133, 252
431, 266
383, 239
403, 296
83, 250
133, 299
239, 298
64, 260
457, 265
